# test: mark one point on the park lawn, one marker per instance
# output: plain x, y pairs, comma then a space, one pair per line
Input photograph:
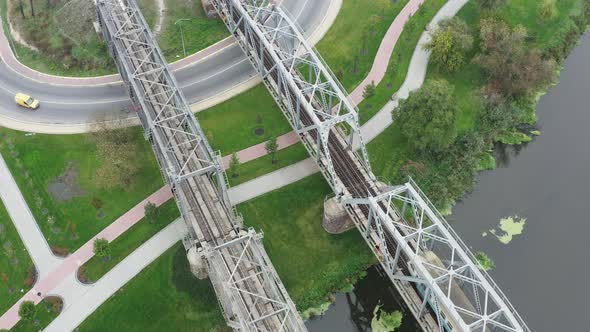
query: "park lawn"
165, 296
47, 310
310, 262
16, 267
263, 165
38, 160
199, 31
230, 126
125, 244
357, 34
399, 62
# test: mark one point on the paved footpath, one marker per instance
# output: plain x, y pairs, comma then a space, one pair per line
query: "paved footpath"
83, 300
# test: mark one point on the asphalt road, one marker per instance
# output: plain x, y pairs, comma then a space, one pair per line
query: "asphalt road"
204, 79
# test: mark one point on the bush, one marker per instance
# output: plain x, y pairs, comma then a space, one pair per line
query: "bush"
27, 310
102, 248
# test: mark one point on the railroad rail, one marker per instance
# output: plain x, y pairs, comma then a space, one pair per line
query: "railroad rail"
431, 267
250, 293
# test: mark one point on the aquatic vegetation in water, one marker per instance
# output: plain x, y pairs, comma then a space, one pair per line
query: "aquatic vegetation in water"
509, 227
385, 321
316, 311
484, 261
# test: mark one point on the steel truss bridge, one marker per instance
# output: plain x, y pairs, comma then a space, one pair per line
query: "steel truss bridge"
434, 271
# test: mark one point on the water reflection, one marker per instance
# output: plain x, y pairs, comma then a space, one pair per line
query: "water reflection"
353, 311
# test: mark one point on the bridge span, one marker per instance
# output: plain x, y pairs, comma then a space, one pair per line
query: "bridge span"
433, 270
249, 290
431, 267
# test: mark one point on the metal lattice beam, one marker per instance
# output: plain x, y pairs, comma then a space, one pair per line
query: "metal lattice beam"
249, 290
421, 250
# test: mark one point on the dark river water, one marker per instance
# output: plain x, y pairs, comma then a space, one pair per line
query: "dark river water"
546, 270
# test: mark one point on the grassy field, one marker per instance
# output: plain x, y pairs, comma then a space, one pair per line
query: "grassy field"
15, 264
399, 63
199, 31
263, 165
310, 261
356, 36
39, 160
231, 125
165, 296
47, 310
124, 245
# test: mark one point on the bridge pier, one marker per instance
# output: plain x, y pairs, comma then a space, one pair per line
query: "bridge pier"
336, 220
197, 263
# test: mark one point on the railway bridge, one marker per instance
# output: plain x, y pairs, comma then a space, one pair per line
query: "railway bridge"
427, 262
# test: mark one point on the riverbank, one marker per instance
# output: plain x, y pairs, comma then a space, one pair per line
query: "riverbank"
546, 183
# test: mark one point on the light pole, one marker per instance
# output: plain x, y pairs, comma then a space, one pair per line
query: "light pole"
181, 33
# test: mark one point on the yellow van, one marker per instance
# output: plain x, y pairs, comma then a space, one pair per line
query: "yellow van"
26, 101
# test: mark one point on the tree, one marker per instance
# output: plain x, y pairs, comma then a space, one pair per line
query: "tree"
512, 65
369, 90
117, 151
234, 165
496, 115
21, 8
32, 9
450, 44
102, 248
490, 4
271, 148
427, 117
385, 321
151, 212
27, 310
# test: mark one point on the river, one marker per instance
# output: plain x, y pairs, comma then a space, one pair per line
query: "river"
543, 271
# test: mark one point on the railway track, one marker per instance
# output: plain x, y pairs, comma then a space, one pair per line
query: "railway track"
248, 288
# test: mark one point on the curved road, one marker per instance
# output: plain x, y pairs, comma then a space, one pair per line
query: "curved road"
71, 105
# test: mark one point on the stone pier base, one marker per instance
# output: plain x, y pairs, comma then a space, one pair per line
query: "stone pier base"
209, 9
336, 220
197, 263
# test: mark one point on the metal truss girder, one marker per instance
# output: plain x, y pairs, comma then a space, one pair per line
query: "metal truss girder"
257, 296
442, 264
279, 51
262, 309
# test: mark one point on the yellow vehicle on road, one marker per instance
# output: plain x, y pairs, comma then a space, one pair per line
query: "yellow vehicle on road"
26, 101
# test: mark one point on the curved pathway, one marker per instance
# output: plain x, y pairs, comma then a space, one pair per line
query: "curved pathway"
84, 302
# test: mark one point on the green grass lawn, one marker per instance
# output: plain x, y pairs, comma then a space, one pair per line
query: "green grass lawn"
399, 63
15, 264
310, 262
231, 125
357, 34
165, 296
263, 165
124, 245
199, 31
47, 310
36, 161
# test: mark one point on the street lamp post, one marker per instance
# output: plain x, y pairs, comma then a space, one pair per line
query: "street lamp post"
181, 33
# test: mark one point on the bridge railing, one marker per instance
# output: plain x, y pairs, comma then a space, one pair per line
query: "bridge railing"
468, 251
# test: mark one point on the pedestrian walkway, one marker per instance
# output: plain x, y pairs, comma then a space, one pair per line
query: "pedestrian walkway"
25, 223
55, 272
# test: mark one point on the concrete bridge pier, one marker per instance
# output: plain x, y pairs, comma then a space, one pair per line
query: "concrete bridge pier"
336, 220
197, 263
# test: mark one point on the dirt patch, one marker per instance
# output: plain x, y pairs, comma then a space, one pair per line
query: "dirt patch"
66, 187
